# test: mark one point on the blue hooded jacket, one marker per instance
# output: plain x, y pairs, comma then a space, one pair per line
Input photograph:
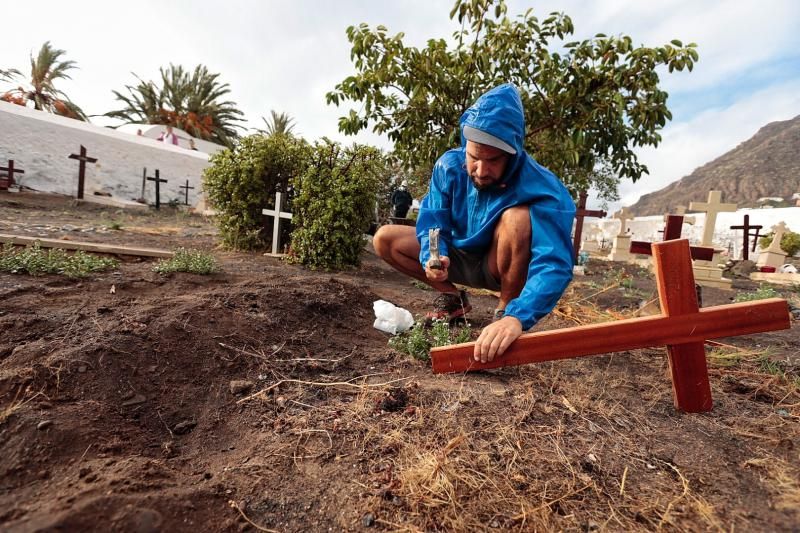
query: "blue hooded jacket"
467, 216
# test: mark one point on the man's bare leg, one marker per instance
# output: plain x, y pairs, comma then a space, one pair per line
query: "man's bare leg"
398, 246
510, 254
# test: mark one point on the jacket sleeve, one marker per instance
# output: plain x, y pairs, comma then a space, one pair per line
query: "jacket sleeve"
434, 212
550, 269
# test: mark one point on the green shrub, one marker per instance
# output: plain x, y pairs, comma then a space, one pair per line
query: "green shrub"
36, 261
790, 242
193, 261
242, 181
763, 292
334, 204
418, 341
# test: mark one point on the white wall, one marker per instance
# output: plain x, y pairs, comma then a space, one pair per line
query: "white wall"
646, 228
40, 143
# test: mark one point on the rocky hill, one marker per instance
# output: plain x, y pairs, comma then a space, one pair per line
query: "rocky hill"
766, 165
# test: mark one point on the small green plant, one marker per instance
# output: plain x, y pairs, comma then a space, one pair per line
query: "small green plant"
116, 226
193, 261
418, 341
763, 292
420, 285
36, 261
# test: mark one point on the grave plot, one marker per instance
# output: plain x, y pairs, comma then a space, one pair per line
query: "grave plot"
189, 402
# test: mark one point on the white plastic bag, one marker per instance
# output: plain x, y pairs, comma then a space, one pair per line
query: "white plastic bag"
788, 269
390, 318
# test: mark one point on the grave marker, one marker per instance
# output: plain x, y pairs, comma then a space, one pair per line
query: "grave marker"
682, 327
580, 213
774, 256
620, 248
158, 181
276, 215
746, 227
10, 171
83, 159
712, 208
186, 199
672, 230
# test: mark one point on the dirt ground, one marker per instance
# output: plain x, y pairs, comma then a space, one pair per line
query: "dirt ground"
261, 398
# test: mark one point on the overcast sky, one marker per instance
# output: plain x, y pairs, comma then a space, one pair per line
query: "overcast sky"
285, 55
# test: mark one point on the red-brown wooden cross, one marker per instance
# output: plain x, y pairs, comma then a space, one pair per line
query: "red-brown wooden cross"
682, 328
672, 230
746, 241
83, 158
8, 180
580, 213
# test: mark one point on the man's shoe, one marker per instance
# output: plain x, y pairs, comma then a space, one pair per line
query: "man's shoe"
449, 306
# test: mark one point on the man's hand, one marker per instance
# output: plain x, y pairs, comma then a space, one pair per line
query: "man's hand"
496, 337
438, 274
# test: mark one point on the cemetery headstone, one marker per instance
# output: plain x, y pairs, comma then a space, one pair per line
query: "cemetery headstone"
774, 256
746, 227
8, 180
277, 214
580, 213
620, 249
186, 191
83, 159
158, 181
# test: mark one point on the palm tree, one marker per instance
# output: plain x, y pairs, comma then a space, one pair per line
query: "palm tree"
187, 101
281, 123
8, 74
45, 70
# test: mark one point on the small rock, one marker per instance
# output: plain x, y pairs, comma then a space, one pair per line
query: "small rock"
136, 400
81, 369
184, 427
240, 386
103, 310
368, 520
44, 424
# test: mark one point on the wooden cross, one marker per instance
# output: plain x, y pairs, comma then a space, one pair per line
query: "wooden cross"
186, 200
10, 171
158, 181
712, 207
83, 158
746, 240
682, 328
276, 215
671, 231
580, 213
623, 215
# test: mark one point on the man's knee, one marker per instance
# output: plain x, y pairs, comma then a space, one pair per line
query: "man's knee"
516, 221
382, 241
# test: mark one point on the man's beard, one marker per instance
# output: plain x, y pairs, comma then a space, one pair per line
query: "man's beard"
485, 185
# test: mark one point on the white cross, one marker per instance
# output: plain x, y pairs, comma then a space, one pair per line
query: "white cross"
778, 230
276, 215
711, 208
623, 216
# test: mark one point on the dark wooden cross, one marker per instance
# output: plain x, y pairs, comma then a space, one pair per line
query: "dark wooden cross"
580, 213
186, 199
682, 327
671, 231
9, 170
83, 158
158, 181
746, 244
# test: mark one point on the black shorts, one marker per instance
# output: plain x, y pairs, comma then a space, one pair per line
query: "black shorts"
471, 269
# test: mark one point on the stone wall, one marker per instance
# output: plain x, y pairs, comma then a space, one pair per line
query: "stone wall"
40, 143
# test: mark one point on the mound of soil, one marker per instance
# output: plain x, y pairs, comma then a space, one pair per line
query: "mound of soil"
261, 398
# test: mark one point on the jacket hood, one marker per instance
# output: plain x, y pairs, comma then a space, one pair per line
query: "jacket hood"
499, 112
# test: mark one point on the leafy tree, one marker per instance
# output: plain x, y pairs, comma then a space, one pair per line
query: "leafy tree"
334, 204
279, 123
191, 102
588, 104
242, 181
46, 69
790, 242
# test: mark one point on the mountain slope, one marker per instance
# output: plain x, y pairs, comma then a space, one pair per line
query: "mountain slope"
766, 165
